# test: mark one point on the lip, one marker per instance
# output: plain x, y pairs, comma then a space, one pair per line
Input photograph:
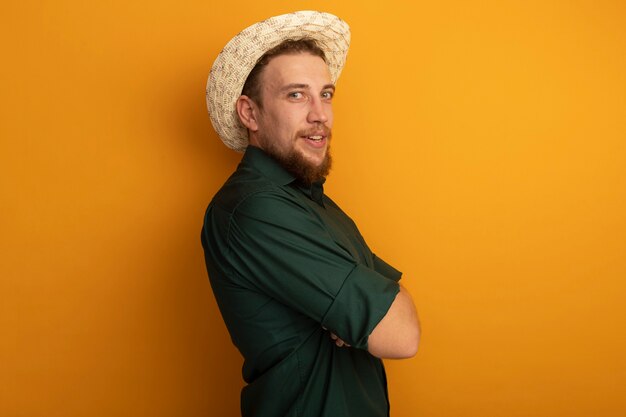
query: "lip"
315, 143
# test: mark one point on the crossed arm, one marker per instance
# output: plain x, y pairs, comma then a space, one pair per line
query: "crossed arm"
397, 335
269, 229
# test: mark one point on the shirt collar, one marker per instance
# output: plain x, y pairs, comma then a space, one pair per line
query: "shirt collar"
315, 192
268, 166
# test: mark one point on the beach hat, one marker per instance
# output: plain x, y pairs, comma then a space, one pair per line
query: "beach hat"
232, 66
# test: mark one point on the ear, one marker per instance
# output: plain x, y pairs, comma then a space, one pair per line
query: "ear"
247, 112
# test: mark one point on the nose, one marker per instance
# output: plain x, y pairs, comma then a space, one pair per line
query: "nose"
318, 111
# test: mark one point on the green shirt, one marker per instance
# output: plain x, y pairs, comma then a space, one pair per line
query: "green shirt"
284, 263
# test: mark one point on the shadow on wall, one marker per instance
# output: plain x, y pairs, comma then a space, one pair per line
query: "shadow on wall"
207, 363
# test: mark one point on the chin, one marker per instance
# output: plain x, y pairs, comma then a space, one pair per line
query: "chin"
317, 162
314, 159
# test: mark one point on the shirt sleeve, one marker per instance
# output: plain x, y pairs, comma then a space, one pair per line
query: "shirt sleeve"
278, 246
385, 269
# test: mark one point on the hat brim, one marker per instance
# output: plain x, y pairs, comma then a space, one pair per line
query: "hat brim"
232, 66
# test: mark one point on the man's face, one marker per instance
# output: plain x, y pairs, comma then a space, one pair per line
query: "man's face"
296, 117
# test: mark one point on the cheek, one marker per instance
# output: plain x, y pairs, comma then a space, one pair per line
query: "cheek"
291, 121
331, 117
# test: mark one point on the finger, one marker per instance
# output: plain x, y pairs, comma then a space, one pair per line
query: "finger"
342, 344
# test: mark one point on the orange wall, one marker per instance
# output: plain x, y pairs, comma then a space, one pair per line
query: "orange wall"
480, 146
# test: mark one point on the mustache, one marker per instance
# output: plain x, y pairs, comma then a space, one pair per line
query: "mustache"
321, 130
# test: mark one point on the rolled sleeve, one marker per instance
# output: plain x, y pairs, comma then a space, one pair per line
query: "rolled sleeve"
385, 269
360, 305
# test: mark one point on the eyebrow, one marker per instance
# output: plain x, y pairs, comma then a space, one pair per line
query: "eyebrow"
305, 87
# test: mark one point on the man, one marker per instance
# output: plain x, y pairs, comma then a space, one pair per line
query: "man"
309, 306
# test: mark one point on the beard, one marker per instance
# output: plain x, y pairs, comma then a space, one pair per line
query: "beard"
296, 164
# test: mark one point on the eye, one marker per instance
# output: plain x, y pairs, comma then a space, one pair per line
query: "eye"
328, 95
296, 95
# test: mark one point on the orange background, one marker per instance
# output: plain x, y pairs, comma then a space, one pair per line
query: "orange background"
479, 145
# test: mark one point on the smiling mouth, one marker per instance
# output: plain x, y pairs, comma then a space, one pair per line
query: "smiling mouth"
317, 137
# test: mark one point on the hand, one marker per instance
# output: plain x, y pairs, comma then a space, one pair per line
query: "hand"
338, 341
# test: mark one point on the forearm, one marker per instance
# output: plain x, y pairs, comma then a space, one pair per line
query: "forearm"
397, 335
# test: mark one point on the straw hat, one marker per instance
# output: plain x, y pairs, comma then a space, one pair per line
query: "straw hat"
232, 66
